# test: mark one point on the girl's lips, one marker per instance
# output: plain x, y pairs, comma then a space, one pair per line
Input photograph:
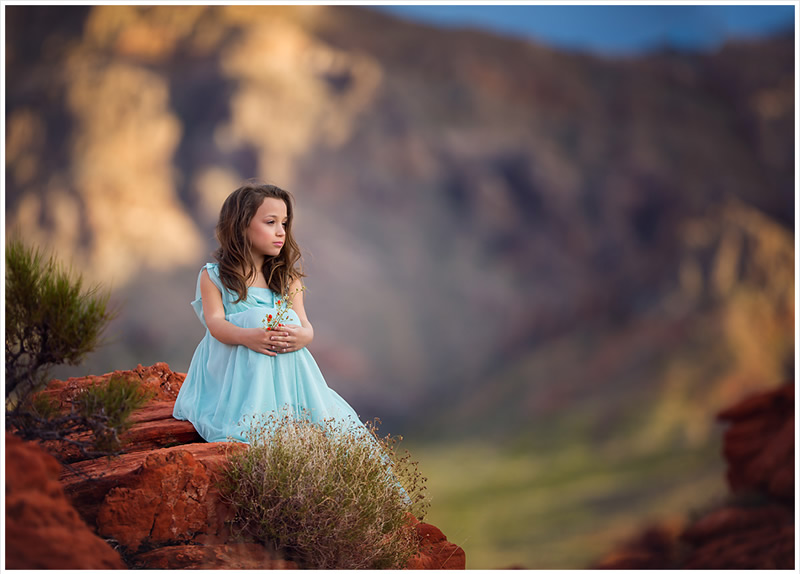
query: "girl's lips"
278, 244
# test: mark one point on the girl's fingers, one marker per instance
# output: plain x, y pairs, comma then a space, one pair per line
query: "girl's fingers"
278, 344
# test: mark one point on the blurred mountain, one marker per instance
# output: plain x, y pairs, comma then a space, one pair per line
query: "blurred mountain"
496, 232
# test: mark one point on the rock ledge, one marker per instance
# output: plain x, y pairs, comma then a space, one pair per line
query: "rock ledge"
156, 504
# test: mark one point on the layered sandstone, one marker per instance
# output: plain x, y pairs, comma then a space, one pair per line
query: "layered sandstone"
154, 506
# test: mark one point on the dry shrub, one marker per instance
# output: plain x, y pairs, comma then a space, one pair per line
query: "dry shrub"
326, 495
92, 422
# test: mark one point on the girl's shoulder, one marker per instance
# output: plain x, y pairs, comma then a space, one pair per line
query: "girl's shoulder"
213, 274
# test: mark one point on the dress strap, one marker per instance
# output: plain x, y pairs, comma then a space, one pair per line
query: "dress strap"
213, 274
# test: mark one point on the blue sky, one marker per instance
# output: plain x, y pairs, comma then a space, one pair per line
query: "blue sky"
613, 29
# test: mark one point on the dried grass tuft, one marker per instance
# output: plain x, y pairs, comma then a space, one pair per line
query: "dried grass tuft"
326, 495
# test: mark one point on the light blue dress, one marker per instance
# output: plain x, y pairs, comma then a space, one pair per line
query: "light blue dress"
227, 384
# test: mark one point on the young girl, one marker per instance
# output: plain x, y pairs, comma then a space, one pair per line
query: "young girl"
240, 368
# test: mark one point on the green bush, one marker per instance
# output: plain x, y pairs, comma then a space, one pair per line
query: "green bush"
109, 406
325, 495
50, 319
103, 410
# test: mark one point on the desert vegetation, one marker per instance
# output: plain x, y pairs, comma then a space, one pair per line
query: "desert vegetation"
52, 319
326, 495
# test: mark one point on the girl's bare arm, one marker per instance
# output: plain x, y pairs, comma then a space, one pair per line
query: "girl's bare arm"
224, 331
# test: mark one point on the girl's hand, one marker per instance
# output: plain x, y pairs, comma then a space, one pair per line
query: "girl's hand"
290, 338
258, 340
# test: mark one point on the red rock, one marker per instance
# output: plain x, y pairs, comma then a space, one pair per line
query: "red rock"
780, 398
429, 534
157, 378
43, 531
752, 428
221, 556
782, 483
160, 496
631, 560
164, 385
436, 553
154, 411
759, 449
763, 547
166, 503
155, 434
777, 452
96, 478
160, 379
734, 519
741, 448
759, 444
655, 548
145, 435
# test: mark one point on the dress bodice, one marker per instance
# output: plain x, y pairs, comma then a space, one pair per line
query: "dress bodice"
245, 313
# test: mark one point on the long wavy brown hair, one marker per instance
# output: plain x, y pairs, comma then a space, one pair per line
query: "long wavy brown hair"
233, 255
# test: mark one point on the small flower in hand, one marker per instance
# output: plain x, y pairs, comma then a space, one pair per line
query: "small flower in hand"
271, 322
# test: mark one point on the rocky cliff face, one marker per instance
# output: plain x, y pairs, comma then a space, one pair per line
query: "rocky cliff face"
755, 527
155, 506
448, 183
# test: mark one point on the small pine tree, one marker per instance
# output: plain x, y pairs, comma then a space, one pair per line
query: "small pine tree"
50, 320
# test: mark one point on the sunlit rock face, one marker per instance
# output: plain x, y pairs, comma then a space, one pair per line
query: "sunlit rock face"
285, 99
462, 198
118, 201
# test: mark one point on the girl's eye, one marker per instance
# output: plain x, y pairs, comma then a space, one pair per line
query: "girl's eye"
271, 221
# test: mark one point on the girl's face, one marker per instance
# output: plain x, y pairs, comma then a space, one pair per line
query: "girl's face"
267, 229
